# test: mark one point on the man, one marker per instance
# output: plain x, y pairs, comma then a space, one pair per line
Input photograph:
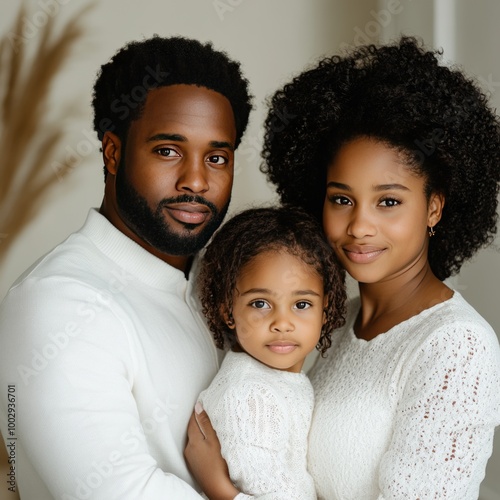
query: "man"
102, 346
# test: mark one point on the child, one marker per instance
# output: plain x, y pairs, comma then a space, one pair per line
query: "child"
272, 290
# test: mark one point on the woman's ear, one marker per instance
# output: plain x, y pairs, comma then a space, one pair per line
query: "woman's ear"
111, 152
435, 209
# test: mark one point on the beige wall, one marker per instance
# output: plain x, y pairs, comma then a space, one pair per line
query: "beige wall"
273, 39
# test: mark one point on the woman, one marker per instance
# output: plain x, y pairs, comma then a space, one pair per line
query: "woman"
401, 158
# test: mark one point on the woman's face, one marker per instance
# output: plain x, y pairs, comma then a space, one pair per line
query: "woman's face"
376, 214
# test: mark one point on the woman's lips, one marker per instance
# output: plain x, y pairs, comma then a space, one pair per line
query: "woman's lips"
282, 347
361, 254
188, 213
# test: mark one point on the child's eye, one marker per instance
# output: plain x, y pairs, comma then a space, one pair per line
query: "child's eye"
390, 202
259, 304
302, 305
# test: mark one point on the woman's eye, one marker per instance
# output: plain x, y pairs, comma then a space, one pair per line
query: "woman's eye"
260, 304
302, 305
339, 200
167, 152
217, 159
389, 202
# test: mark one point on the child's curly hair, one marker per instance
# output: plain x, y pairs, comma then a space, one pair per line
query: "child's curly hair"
252, 232
398, 94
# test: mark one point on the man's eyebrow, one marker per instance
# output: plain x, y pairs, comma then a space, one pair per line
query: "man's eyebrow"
182, 138
167, 137
222, 145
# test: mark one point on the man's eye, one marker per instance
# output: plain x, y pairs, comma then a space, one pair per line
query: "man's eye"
217, 159
167, 152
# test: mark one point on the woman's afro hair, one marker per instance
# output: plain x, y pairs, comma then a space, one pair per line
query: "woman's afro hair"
252, 232
401, 95
123, 83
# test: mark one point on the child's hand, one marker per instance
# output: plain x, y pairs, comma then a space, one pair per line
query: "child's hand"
204, 458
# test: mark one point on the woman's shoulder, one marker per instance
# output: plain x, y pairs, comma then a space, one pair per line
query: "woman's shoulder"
454, 329
457, 315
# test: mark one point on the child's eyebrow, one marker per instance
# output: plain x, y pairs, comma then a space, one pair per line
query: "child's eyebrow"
306, 292
266, 291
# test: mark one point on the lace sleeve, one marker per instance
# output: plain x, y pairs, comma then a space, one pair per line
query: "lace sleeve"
448, 409
254, 430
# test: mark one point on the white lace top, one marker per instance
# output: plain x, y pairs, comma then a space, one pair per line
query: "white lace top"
262, 418
409, 414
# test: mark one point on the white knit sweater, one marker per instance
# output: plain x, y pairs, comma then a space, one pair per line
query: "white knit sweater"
262, 417
409, 414
108, 355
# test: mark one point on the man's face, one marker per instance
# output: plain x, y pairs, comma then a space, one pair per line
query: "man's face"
174, 177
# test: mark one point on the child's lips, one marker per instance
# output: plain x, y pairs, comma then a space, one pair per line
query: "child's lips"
282, 347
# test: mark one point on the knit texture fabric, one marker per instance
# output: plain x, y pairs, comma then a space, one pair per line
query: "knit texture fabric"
409, 414
262, 418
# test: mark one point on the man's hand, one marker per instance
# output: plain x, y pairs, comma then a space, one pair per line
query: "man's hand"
204, 458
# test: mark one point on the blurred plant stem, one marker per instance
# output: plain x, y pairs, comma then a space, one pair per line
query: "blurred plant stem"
29, 143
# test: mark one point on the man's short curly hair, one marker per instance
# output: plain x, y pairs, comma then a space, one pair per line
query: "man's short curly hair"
123, 83
252, 232
401, 95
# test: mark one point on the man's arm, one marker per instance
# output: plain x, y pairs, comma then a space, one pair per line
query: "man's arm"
72, 362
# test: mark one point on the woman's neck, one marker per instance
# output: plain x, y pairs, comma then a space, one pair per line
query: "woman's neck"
386, 304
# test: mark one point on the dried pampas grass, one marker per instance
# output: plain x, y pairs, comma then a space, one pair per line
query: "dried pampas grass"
28, 144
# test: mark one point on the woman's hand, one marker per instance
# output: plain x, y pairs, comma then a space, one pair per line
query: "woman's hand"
204, 458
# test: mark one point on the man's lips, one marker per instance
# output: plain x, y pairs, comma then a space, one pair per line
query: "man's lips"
188, 213
362, 254
282, 346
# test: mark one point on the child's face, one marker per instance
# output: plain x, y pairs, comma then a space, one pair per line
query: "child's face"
278, 310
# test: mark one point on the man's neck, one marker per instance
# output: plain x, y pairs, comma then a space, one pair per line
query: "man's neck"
180, 262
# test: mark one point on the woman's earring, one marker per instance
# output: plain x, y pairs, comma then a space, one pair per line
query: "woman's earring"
431, 232
230, 322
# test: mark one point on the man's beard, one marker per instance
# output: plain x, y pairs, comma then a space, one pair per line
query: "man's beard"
151, 226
